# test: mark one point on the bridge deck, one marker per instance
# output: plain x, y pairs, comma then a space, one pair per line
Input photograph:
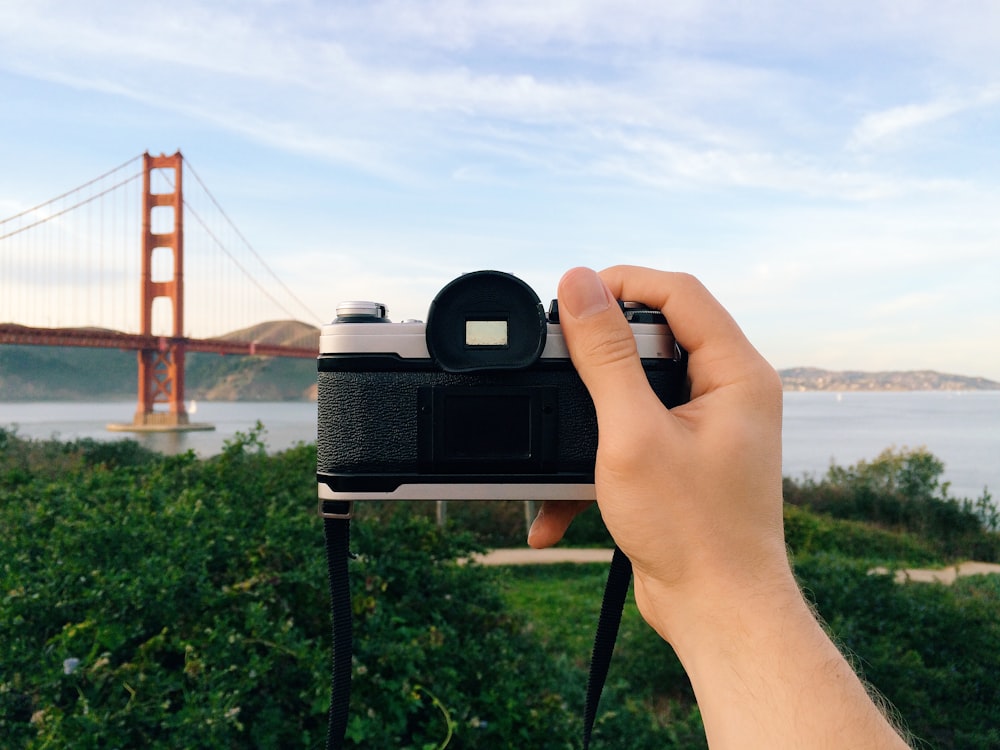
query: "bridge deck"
12, 333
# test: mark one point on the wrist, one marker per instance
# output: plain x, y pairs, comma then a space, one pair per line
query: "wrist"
693, 613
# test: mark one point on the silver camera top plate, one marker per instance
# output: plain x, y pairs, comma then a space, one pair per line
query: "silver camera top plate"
408, 340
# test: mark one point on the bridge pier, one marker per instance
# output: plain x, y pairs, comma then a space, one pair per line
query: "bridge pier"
161, 379
159, 422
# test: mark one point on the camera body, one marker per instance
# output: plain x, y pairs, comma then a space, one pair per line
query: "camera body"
481, 402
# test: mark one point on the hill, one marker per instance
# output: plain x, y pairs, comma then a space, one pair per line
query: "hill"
213, 377
37, 373
279, 332
48, 373
814, 379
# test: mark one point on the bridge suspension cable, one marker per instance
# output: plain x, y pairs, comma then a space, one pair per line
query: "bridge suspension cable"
68, 193
67, 209
66, 262
73, 261
225, 249
302, 305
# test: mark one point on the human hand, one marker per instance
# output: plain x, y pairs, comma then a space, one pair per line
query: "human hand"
692, 494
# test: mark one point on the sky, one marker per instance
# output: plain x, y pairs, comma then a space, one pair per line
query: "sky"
830, 170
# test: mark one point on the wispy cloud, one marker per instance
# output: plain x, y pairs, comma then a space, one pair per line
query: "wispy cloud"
636, 92
877, 128
795, 153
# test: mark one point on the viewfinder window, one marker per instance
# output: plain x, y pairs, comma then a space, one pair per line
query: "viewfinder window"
486, 333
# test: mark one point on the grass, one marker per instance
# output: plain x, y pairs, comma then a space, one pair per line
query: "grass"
562, 603
647, 696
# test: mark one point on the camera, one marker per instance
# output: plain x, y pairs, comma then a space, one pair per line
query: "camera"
480, 402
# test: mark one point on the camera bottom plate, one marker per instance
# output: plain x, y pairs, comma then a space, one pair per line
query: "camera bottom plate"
563, 488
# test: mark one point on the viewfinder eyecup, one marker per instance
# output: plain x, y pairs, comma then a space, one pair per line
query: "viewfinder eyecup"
486, 320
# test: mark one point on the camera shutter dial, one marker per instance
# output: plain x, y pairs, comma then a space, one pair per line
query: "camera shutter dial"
361, 311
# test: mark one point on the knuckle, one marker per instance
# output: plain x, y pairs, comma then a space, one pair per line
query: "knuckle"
687, 279
603, 349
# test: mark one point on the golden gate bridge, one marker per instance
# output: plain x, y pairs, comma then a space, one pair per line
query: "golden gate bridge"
112, 264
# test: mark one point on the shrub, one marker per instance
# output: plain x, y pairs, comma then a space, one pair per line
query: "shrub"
173, 602
931, 649
438, 653
809, 533
902, 491
161, 606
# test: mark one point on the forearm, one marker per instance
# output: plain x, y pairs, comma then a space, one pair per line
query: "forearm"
765, 673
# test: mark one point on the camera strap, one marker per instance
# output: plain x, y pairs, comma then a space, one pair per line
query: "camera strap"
615, 593
337, 530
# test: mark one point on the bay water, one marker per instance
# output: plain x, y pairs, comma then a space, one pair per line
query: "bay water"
962, 428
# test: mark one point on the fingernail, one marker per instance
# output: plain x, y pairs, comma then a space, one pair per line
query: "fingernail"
534, 525
584, 294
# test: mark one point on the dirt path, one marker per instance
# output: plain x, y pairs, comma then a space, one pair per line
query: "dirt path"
528, 556
943, 575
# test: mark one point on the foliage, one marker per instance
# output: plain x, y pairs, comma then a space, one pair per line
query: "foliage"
930, 649
438, 650
26, 460
154, 601
175, 602
159, 603
648, 697
902, 491
808, 533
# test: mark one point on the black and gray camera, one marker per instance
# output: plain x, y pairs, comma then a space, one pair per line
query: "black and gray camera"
481, 402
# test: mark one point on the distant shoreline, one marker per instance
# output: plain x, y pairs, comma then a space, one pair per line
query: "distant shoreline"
788, 387
815, 379
46, 375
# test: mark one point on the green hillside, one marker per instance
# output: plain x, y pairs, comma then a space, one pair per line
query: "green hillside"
42, 373
46, 373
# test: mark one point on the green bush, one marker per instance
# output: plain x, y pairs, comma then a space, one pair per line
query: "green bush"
902, 491
438, 653
809, 533
173, 602
159, 605
930, 649
150, 601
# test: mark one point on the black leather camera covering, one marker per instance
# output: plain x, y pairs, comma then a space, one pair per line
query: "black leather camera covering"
369, 413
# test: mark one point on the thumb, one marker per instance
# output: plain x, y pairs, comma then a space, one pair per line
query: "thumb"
601, 344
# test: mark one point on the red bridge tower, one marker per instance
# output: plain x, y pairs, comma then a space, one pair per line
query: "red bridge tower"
161, 370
